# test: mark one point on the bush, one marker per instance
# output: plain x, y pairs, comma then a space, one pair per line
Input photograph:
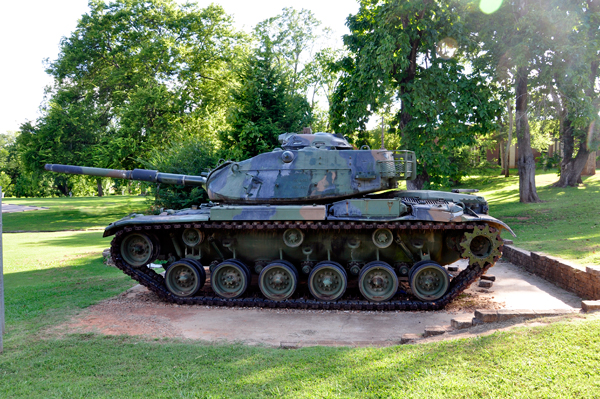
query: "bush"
189, 157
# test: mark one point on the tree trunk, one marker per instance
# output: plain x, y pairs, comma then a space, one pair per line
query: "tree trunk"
99, 186
510, 134
526, 163
590, 167
503, 157
63, 188
570, 168
418, 183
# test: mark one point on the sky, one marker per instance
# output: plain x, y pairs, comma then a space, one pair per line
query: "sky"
31, 31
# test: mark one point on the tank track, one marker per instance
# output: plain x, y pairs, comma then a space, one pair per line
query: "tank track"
155, 282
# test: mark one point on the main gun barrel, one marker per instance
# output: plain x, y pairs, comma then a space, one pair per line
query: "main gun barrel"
136, 174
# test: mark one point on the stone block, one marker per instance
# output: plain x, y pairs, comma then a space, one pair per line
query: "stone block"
409, 338
508, 314
485, 283
593, 270
487, 316
488, 277
452, 268
431, 331
462, 322
590, 306
508, 242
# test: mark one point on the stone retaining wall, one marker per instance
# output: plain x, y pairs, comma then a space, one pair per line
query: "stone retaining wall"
583, 281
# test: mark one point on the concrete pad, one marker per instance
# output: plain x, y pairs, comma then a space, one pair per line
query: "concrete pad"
140, 312
515, 288
274, 326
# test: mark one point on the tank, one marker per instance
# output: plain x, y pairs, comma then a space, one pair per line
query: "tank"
313, 224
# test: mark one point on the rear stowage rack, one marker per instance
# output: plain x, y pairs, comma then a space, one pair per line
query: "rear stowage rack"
402, 167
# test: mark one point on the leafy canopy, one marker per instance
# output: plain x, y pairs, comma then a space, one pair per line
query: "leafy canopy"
402, 52
134, 76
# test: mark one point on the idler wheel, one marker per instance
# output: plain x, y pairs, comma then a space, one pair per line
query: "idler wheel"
482, 245
278, 280
293, 237
429, 281
327, 281
378, 281
185, 277
138, 249
229, 279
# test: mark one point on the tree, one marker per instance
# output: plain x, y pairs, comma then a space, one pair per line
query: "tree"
265, 107
402, 52
290, 36
134, 76
520, 36
576, 75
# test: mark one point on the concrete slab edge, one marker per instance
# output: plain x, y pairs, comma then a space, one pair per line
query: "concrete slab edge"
488, 316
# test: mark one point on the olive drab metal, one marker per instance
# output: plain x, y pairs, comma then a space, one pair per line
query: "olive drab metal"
313, 224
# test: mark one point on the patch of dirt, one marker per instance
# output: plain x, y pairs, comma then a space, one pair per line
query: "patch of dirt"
137, 311
471, 301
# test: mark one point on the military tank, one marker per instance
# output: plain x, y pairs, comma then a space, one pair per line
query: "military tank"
313, 224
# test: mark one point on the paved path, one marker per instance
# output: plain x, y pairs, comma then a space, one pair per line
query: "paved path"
139, 312
8, 208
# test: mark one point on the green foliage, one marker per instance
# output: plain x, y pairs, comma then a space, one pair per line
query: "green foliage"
546, 161
395, 57
4, 180
130, 79
191, 156
289, 36
266, 106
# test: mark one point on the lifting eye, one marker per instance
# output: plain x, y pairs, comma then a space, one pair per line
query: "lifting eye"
287, 156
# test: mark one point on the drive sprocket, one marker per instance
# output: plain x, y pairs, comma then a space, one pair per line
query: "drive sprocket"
482, 245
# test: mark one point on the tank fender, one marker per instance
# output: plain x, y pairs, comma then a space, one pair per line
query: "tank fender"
491, 220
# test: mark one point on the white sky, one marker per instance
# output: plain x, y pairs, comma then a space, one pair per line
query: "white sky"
30, 31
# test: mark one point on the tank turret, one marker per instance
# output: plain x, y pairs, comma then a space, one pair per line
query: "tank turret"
311, 168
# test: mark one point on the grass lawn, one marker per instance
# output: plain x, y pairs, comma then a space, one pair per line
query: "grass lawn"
49, 277
75, 213
566, 224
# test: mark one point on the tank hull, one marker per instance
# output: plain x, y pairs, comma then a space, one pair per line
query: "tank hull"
375, 245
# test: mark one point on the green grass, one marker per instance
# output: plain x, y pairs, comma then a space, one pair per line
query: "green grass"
566, 224
559, 361
76, 213
50, 277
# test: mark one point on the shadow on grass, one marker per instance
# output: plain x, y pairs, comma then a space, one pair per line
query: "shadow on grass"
32, 294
